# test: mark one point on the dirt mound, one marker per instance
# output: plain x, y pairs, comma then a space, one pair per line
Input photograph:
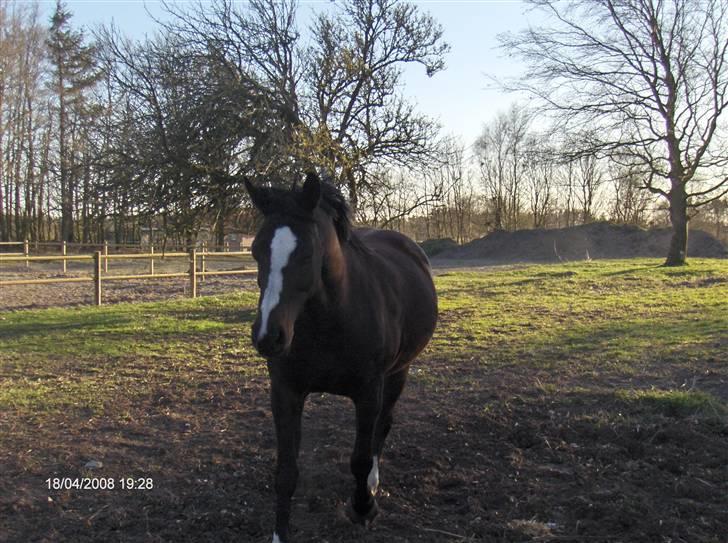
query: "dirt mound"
596, 240
434, 247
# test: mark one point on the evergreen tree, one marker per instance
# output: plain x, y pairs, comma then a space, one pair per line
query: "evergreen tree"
74, 74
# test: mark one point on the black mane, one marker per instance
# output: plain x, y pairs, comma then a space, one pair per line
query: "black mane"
335, 206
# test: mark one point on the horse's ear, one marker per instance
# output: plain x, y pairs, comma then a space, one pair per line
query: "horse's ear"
311, 193
257, 196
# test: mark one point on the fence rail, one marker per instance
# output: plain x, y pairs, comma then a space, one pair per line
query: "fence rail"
104, 247
43, 258
101, 262
225, 247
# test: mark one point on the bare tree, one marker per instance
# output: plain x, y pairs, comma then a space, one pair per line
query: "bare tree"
23, 120
503, 153
336, 93
719, 211
358, 117
458, 197
645, 81
394, 194
630, 203
540, 181
492, 157
590, 179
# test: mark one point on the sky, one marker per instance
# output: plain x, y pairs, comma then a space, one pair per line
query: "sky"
458, 97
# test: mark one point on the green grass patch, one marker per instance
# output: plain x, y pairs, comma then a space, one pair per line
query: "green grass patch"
676, 403
588, 319
597, 313
91, 357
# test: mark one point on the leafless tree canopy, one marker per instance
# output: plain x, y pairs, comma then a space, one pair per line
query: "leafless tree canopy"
102, 136
334, 90
643, 81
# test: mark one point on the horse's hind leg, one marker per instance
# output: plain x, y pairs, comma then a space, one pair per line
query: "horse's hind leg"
287, 406
393, 387
363, 507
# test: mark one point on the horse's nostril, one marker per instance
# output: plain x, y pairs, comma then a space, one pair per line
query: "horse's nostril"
279, 338
273, 342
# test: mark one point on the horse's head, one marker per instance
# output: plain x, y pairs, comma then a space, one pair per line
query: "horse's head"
289, 250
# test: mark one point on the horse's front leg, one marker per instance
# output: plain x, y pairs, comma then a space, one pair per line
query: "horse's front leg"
363, 506
287, 406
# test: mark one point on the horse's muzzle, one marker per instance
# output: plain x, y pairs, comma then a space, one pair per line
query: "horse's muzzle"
273, 343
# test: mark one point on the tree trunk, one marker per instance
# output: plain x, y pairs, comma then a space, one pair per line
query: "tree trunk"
679, 218
190, 239
498, 220
353, 190
220, 230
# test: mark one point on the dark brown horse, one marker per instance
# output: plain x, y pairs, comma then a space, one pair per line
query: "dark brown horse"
342, 311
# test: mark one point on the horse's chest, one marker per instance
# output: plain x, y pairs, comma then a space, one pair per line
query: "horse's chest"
333, 361
339, 351
355, 335
324, 372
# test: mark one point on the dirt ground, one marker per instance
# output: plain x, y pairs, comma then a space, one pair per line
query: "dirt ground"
486, 456
17, 297
477, 453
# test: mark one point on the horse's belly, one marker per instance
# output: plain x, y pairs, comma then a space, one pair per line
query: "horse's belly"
326, 373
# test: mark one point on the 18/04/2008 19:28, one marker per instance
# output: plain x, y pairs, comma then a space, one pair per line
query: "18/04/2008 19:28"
100, 483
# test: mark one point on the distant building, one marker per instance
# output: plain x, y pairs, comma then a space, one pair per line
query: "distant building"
150, 236
234, 241
237, 241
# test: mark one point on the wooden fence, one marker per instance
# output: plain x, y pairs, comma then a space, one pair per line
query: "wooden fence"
196, 272
63, 247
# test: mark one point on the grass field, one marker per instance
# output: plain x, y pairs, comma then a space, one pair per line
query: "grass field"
584, 401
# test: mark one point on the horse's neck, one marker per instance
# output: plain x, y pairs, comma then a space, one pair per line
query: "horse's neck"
342, 270
337, 270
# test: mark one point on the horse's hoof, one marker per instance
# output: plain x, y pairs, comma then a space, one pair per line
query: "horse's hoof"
278, 539
358, 518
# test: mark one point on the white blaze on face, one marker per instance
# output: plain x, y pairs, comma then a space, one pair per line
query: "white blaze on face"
275, 538
283, 244
373, 479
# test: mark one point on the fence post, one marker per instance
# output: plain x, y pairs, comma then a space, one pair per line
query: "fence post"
97, 278
26, 253
151, 260
64, 250
203, 263
193, 273
106, 256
